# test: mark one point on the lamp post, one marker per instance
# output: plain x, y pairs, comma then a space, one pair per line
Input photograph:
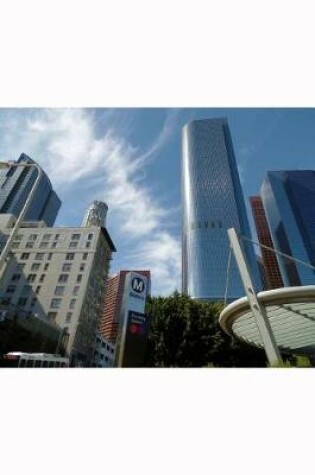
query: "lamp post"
22, 214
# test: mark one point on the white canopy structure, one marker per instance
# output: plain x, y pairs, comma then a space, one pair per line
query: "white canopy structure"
290, 312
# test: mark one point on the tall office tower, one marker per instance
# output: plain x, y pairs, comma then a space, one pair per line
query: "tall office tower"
289, 202
270, 268
110, 314
59, 274
15, 185
212, 201
95, 214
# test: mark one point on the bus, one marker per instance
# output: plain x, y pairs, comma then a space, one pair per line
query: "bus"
18, 359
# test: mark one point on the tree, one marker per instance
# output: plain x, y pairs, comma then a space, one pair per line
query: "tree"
186, 333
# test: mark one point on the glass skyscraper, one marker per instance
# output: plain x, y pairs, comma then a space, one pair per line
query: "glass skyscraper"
289, 202
212, 201
16, 184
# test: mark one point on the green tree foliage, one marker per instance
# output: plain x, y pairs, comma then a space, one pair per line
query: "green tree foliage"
186, 333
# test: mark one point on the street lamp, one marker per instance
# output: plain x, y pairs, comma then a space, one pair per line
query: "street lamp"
22, 214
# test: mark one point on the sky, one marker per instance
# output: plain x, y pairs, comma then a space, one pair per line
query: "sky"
131, 159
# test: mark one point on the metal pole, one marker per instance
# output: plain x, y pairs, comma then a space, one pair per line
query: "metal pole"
15, 229
259, 311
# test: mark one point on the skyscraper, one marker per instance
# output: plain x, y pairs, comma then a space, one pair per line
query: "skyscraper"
288, 198
270, 265
212, 201
95, 214
16, 184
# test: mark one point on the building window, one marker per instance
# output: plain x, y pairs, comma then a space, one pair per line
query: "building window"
11, 289
43, 245
72, 303
32, 237
35, 266
16, 277
68, 317
70, 256
25, 256
26, 289
88, 244
85, 256
75, 237
15, 245
63, 278
76, 290
46, 237
82, 267
79, 277
33, 301
29, 245
46, 266
50, 256
60, 290
90, 237
73, 244
22, 301
19, 237
31, 278
55, 303
57, 236
21, 265
42, 278
55, 244
37, 289
66, 267
52, 316
39, 256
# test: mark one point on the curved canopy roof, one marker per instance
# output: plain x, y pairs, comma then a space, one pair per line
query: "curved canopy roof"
291, 313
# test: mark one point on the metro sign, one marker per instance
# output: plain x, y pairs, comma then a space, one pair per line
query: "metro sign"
137, 285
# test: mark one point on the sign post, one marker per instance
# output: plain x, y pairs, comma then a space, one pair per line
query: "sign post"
133, 330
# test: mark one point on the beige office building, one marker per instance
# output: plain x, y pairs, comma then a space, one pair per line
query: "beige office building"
59, 273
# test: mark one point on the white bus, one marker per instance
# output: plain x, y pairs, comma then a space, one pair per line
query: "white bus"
18, 359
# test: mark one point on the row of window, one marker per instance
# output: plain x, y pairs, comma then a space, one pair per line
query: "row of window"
53, 316
40, 256
45, 245
63, 278
207, 224
22, 302
56, 303
66, 267
47, 237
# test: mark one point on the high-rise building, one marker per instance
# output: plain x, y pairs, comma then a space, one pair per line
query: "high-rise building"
212, 201
289, 198
16, 184
59, 274
95, 214
110, 315
270, 268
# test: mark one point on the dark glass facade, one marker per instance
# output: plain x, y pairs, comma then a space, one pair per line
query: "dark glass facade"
269, 263
16, 184
289, 202
213, 202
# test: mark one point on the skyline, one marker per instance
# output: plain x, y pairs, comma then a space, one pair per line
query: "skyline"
130, 158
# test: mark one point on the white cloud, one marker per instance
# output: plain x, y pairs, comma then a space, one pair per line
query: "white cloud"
65, 143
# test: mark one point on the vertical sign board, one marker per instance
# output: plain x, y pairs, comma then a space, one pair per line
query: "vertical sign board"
132, 336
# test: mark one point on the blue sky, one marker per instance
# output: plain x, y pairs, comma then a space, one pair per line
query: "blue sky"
131, 158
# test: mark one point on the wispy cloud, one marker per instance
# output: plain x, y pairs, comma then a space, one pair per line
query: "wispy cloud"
66, 144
